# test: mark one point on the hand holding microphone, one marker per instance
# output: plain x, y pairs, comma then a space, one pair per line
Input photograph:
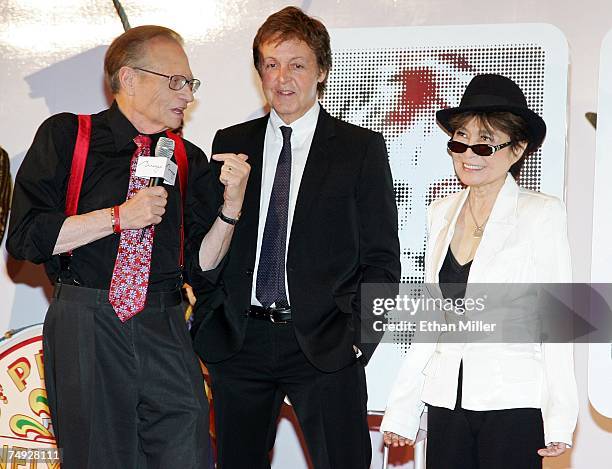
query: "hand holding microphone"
144, 209
163, 149
149, 205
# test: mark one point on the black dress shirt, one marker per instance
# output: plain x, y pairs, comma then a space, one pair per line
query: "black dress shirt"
40, 197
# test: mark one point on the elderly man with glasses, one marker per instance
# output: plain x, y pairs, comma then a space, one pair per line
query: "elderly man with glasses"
124, 386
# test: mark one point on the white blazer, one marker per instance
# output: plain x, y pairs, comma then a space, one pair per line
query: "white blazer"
525, 240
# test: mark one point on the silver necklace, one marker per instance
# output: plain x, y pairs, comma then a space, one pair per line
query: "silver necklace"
479, 230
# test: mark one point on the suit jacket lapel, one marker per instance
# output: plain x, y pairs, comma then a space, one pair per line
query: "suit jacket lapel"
249, 222
498, 228
500, 225
444, 234
315, 172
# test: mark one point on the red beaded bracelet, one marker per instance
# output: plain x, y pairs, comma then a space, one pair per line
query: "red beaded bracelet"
115, 219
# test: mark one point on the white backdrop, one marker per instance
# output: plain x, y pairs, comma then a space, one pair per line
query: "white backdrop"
600, 355
50, 61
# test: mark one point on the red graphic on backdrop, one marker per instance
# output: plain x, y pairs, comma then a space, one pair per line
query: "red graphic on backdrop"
420, 91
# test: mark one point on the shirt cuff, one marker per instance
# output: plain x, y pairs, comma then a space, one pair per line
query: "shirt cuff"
42, 236
407, 427
558, 437
201, 278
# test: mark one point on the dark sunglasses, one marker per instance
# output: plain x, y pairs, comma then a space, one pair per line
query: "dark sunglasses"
481, 149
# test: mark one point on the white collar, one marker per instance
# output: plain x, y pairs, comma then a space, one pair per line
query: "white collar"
300, 128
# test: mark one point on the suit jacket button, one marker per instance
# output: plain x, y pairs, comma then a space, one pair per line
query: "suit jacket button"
249, 272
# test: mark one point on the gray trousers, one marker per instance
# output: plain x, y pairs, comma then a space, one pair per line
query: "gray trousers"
123, 395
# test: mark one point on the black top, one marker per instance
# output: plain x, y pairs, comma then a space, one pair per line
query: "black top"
39, 200
453, 276
453, 279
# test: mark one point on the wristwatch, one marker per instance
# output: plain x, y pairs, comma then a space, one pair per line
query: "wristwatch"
226, 219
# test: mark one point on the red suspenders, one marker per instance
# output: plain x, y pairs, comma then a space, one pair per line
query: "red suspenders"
77, 170
79, 158
181, 161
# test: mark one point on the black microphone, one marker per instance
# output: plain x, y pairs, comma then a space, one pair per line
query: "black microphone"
163, 149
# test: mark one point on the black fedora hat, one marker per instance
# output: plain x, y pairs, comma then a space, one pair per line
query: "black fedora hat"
495, 93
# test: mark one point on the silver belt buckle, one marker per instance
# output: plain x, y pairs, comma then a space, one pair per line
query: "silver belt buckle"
272, 316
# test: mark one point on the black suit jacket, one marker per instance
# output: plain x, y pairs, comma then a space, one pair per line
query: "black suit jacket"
344, 233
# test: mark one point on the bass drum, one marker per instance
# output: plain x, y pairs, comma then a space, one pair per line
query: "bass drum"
26, 433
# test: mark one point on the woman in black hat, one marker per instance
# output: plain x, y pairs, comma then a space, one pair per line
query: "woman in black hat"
490, 405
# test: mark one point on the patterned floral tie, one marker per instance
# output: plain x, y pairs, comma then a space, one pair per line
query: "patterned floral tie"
128, 289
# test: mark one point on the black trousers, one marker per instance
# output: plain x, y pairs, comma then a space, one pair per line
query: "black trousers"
248, 391
123, 395
492, 439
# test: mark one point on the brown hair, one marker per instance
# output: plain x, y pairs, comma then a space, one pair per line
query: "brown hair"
292, 23
514, 126
129, 50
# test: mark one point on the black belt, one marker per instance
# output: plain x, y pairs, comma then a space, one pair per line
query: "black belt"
275, 315
93, 296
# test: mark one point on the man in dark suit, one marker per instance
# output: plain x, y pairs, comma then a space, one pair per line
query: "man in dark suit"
280, 315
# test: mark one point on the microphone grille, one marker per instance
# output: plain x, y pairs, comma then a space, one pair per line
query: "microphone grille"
164, 148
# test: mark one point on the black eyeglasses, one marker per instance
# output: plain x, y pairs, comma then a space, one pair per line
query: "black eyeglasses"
481, 149
176, 82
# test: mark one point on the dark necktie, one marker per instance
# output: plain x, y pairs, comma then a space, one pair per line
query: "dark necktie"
270, 287
130, 281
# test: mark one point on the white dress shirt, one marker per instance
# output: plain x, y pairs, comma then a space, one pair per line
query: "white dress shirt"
301, 138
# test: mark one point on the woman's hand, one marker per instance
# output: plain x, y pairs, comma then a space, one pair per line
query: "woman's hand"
552, 449
395, 440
